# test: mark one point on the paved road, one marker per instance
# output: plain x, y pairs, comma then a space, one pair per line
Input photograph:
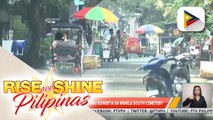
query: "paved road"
122, 80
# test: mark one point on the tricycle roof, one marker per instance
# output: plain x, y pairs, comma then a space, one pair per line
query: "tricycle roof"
65, 26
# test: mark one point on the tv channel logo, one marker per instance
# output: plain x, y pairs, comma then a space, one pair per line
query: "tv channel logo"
191, 19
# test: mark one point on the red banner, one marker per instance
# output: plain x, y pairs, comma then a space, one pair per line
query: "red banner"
124, 102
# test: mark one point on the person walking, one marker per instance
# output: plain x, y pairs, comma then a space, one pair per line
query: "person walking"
112, 42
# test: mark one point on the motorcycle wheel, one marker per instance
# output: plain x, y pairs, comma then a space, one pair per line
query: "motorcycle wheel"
188, 74
172, 70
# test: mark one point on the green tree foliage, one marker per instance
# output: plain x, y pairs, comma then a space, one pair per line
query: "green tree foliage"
151, 10
171, 10
3, 6
34, 13
161, 12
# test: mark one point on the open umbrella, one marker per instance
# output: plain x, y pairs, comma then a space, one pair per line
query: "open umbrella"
96, 13
149, 29
81, 14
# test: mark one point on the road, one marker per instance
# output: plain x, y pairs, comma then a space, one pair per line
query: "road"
122, 80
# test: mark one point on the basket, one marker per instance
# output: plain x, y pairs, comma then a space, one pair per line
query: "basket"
91, 61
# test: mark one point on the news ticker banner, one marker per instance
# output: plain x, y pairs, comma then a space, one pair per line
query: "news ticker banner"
134, 102
154, 110
141, 105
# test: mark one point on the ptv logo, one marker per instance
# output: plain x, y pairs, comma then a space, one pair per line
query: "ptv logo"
191, 19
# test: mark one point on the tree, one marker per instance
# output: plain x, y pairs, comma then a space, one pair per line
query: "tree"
171, 11
3, 6
34, 13
150, 10
161, 12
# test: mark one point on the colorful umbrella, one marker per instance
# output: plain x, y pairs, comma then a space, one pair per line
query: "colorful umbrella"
96, 13
81, 14
149, 29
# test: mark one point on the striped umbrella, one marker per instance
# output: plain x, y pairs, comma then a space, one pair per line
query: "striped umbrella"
96, 13
149, 29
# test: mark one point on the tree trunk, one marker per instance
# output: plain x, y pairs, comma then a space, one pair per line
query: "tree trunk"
0, 34
32, 53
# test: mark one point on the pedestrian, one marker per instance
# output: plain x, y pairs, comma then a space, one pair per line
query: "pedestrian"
177, 45
94, 34
123, 44
112, 42
119, 39
124, 37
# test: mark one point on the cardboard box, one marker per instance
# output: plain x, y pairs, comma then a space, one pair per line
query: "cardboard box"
91, 61
206, 69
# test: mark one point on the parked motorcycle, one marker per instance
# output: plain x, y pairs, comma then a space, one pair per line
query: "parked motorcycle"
180, 73
157, 82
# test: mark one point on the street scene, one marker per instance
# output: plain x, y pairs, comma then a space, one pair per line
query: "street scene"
122, 80
136, 47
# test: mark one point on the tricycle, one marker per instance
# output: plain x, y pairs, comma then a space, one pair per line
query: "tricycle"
133, 46
67, 52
